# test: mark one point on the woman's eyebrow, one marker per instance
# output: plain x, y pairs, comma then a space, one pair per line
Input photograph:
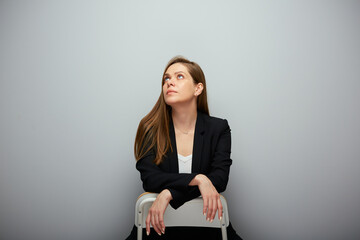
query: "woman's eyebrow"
167, 74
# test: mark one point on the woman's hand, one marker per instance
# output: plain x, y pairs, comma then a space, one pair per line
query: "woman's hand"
210, 195
156, 212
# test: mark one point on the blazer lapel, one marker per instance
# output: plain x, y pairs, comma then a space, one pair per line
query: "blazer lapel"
172, 155
198, 143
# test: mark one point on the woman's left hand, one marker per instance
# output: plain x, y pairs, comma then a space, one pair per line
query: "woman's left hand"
210, 195
156, 212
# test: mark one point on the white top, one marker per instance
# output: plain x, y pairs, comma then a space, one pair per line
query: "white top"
185, 163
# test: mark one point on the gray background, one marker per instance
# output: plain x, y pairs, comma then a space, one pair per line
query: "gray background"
77, 77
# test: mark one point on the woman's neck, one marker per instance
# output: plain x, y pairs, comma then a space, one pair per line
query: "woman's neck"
184, 119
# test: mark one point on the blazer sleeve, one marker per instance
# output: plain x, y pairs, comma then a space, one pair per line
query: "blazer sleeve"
221, 162
219, 169
155, 179
182, 196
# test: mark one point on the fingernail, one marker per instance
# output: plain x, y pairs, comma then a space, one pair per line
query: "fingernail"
163, 231
204, 214
147, 233
208, 219
220, 218
211, 220
159, 234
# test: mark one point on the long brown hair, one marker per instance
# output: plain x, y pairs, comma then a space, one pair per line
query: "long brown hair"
153, 129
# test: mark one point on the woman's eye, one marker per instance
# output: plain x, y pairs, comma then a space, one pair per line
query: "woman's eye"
180, 76
166, 79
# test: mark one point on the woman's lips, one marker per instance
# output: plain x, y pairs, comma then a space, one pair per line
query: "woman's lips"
170, 91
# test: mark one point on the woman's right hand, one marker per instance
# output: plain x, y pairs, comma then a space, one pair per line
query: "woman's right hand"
210, 195
156, 212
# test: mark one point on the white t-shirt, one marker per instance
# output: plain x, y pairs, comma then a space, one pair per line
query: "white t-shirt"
185, 163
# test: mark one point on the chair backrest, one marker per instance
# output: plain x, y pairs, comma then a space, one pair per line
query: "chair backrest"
189, 214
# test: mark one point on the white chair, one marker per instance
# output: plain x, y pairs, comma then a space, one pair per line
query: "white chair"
189, 214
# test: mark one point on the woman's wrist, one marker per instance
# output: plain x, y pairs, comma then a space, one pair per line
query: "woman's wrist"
166, 194
199, 179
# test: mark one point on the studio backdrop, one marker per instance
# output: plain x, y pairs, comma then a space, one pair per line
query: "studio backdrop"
76, 77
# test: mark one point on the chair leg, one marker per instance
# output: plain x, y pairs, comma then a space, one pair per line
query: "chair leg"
139, 233
139, 225
223, 230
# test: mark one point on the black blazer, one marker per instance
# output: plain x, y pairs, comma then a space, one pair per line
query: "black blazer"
211, 157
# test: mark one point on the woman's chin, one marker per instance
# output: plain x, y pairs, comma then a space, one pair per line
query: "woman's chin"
171, 102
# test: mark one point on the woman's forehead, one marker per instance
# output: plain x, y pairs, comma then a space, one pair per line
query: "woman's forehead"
176, 67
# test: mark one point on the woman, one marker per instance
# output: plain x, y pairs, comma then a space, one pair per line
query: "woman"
183, 153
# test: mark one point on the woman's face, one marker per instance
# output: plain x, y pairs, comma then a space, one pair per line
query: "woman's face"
178, 85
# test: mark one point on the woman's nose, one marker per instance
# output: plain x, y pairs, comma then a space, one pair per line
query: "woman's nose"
170, 82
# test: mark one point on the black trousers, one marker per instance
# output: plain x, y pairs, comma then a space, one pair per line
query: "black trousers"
187, 233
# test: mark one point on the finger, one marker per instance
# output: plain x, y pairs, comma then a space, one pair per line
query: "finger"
206, 203
209, 212
153, 223
214, 209
220, 208
157, 223
148, 223
162, 224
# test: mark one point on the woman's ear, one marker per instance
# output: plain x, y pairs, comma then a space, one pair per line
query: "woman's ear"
198, 89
